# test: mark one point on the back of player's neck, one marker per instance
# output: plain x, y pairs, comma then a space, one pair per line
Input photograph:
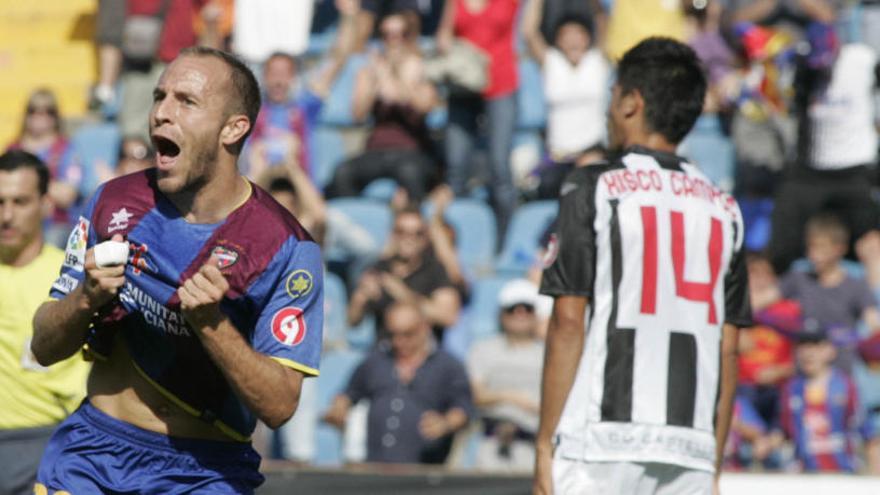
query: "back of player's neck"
652, 141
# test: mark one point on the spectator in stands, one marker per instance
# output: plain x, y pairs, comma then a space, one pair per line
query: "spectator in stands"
374, 10
108, 37
213, 25
631, 21
393, 90
576, 88
750, 439
765, 352
409, 272
821, 410
831, 299
443, 237
135, 154
35, 399
42, 134
419, 394
555, 10
838, 144
286, 122
489, 25
291, 187
505, 376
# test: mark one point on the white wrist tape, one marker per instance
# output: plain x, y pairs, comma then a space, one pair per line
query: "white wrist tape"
111, 253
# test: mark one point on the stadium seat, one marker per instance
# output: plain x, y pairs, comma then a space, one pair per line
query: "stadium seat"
527, 225
94, 143
328, 151
335, 305
482, 311
475, 231
372, 215
380, 190
337, 106
711, 150
336, 369
531, 106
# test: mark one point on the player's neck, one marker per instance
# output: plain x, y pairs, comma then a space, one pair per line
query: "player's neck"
214, 201
650, 140
23, 256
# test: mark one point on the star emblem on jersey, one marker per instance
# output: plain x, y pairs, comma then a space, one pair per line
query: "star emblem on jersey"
299, 283
225, 257
119, 221
289, 326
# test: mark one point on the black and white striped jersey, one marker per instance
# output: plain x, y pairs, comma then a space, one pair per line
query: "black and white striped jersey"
657, 249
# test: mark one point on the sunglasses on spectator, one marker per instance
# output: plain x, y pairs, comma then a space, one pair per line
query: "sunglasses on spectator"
409, 232
526, 307
32, 109
393, 33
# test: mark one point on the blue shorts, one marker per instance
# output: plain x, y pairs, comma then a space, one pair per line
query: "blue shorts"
91, 452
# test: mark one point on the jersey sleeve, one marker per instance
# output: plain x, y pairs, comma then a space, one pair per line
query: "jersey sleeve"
571, 253
290, 326
737, 302
80, 240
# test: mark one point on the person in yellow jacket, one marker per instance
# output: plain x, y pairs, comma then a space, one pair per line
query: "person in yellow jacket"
33, 398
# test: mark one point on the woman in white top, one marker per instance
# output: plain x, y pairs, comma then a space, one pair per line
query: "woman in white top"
576, 86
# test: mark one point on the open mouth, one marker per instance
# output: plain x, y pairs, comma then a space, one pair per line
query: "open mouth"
167, 151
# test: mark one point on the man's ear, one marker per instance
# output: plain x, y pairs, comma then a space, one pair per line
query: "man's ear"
237, 125
631, 104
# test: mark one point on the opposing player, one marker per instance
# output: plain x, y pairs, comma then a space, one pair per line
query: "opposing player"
212, 322
649, 253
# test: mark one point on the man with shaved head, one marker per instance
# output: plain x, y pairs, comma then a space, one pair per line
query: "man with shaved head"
197, 295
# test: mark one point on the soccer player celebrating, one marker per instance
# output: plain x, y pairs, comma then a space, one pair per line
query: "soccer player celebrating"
639, 399
203, 312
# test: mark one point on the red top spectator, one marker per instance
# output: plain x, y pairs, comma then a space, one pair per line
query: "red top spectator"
491, 29
178, 32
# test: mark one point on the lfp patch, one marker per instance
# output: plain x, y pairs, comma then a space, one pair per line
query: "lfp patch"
225, 257
299, 283
75, 253
289, 326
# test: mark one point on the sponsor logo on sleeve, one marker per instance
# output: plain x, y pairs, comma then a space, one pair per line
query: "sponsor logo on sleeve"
299, 283
289, 326
75, 253
65, 284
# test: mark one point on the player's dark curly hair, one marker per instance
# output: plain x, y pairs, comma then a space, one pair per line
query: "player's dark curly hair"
246, 99
672, 83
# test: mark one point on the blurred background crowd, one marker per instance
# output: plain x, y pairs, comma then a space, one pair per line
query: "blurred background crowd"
423, 144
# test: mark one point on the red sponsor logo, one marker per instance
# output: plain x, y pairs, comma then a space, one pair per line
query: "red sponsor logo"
289, 326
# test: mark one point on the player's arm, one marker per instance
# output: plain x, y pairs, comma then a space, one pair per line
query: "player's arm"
60, 326
565, 344
727, 391
266, 387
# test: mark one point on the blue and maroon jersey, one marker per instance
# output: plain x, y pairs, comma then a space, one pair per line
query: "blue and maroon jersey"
275, 299
822, 421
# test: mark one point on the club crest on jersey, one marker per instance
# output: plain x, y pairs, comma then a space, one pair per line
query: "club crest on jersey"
289, 326
138, 258
299, 283
552, 251
75, 253
119, 221
225, 257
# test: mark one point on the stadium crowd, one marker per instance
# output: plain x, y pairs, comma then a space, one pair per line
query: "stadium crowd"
423, 144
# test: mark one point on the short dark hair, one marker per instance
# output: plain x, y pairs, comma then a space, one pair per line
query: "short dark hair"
829, 226
671, 81
573, 18
246, 99
16, 159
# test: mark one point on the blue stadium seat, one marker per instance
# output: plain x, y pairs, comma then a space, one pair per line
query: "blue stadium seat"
532, 108
337, 106
328, 151
380, 190
475, 231
712, 151
373, 216
482, 311
336, 369
523, 236
335, 305
93, 143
